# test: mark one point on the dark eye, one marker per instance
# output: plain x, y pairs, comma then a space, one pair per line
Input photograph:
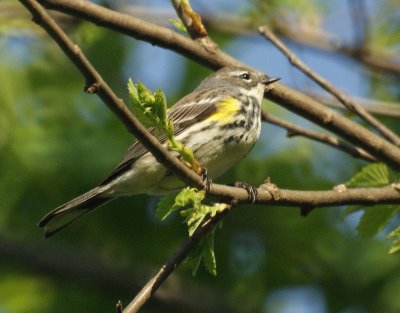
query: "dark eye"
245, 76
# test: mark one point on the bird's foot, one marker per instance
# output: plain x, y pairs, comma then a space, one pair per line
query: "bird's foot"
206, 179
251, 190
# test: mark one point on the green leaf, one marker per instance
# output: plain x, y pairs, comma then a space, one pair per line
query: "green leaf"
395, 235
189, 196
189, 202
374, 219
166, 206
204, 253
133, 91
145, 94
372, 175
138, 107
161, 103
194, 258
209, 260
151, 110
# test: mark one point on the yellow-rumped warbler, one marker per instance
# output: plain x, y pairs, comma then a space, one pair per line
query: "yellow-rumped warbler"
220, 121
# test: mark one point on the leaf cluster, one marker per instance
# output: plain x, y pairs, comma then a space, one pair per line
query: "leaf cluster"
151, 110
375, 219
189, 203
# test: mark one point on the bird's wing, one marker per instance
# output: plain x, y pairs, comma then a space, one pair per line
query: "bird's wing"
183, 114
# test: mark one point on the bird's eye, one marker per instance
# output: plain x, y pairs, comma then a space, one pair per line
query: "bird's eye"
245, 76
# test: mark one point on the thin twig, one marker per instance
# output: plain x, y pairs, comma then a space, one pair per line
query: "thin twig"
180, 255
345, 100
295, 130
281, 94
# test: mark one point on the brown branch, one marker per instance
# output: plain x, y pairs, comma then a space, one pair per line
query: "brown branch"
295, 130
283, 95
315, 199
325, 84
180, 255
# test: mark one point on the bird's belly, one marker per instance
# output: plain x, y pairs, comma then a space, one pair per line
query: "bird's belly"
215, 152
219, 156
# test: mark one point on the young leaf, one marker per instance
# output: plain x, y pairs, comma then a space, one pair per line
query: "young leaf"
208, 253
189, 196
374, 219
204, 253
145, 95
194, 258
161, 102
372, 175
395, 235
133, 91
166, 206
138, 107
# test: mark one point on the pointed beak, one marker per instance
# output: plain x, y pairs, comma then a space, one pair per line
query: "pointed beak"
270, 80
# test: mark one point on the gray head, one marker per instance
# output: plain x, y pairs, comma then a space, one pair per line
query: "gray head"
233, 76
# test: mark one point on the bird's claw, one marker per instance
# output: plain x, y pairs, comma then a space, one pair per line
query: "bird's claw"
251, 190
206, 179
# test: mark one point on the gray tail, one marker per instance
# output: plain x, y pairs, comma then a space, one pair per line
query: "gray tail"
69, 212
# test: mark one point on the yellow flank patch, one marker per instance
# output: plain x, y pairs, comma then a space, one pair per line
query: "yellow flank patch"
226, 110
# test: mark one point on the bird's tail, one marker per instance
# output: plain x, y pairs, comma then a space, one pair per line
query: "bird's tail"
69, 212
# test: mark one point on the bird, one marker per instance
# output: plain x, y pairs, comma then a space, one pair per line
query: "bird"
220, 121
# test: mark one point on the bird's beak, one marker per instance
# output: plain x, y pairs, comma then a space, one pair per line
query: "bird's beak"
270, 80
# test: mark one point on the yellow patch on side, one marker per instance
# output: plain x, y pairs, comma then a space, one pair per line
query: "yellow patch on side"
226, 111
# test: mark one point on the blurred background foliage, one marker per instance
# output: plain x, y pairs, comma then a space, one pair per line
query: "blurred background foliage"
56, 142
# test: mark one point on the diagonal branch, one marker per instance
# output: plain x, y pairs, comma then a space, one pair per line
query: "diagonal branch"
345, 100
283, 95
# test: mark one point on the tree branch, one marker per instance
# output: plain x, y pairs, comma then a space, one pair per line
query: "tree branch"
283, 95
295, 130
346, 101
